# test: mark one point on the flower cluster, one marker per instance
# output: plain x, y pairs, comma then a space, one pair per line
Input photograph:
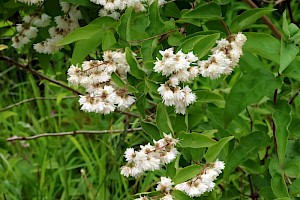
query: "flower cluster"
29, 28
203, 182
112, 8
31, 1
65, 24
96, 77
225, 57
150, 158
178, 68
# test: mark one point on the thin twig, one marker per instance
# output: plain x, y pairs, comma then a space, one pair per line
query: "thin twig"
266, 20
155, 36
288, 2
33, 99
36, 73
226, 27
72, 133
294, 96
251, 120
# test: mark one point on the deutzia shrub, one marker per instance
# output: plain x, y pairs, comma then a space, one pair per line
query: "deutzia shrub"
103, 94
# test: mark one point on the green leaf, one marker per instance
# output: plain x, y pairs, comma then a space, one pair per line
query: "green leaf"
132, 25
251, 88
135, 68
147, 49
6, 114
171, 10
209, 11
95, 27
162, 119
278, 186
194, 140
199, 44
81, 2
282, 120
244, 20
151, 85
118, 80
60, 96
213, 151
295, 187
205, 96
288, 53
179, 195
263, 45
151, 129
156, 23
84, 47
248, 147
108, 40
186, 173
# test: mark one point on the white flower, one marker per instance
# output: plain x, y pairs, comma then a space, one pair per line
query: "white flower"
167, 197
165, 184
126, 171
219, 166
129, 154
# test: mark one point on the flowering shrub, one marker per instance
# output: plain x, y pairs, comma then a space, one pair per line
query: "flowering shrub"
206, 97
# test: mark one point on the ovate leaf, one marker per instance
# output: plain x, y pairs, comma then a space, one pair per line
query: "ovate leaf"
186, 173
151, 129
263, 45
199, 44
135, 68
213, 151
195, 140
208, 11
288, 53
162, 119
86, 32
84, 47
249, 89
156, 23
248, 147
247, 18
282, 120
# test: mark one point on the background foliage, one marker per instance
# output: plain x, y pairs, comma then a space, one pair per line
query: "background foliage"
249, 119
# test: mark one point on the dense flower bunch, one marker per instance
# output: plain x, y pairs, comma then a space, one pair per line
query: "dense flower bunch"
200, 184
112, 8
178, 68
225, 57
203, 182
65, 24
96, 77
31, 1
29, 28
150, 158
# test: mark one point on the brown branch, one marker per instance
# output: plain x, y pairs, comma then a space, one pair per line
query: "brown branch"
226, 27
33, 99
266, 20
294, 96
288, 2
36, 73
14, 138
